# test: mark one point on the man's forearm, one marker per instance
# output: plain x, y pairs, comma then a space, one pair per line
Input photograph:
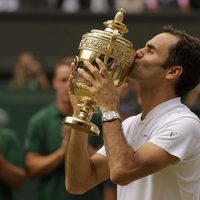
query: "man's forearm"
119, 152
11, 174
40, 165
77, 164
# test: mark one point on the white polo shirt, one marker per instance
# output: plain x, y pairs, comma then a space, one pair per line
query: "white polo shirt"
174, 128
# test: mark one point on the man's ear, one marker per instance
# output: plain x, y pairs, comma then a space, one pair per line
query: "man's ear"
174, 72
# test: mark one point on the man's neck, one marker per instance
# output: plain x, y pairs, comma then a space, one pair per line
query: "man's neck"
151, 98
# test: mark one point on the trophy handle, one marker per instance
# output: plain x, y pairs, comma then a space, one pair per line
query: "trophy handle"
111, 45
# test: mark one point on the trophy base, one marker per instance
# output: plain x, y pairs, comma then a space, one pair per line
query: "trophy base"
82, 125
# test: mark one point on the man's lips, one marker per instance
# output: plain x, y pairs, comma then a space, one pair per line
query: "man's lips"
134, 63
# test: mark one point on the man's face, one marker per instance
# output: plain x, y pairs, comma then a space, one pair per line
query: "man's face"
60, 82
147, 68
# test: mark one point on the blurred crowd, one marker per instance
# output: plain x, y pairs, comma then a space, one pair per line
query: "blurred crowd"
100, 6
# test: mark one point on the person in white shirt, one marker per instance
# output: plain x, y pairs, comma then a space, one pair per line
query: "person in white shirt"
9, 5
156, 154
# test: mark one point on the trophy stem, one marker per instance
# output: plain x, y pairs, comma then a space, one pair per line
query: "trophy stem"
86, 110
82, 122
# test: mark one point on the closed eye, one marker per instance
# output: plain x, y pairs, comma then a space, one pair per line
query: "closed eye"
150, 48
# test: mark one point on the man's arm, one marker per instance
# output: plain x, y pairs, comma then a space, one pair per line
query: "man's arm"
126, 164
39, 165
12, 175
83, 172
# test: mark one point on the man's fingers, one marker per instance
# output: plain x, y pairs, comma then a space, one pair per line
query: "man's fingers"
72, 66
93, 70
103, 69
88, 77
83, 86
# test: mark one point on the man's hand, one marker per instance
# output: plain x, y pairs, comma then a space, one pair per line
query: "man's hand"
101, 85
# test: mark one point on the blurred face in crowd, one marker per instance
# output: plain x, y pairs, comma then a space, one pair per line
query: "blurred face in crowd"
60, 79
27, 65
147, 68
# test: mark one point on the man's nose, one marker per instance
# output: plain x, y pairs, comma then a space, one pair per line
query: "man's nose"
139, 53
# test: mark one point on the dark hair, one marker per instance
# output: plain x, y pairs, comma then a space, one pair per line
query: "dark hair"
64, 61
185, 53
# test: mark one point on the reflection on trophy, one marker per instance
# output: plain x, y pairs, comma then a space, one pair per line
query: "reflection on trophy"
116, 52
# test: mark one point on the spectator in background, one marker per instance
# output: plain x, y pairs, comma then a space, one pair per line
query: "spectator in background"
70, 6
133, 6
47, 140
35, 4
95, 6
9, 5
28, 74
101, 6
12, 174
157, 5
192, 100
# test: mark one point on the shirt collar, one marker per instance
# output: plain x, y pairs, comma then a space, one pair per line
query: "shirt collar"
163, 106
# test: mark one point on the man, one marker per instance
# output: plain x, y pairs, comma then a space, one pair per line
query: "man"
156, 154
12, 174
47, 140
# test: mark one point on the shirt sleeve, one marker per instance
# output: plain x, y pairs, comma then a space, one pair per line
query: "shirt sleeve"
34, 137
180, 138
11, 148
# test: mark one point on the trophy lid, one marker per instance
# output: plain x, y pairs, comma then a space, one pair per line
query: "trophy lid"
117, 24
109, 43
116, 52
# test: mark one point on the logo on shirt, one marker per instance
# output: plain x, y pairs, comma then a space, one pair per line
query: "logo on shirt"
173, 133
145, 135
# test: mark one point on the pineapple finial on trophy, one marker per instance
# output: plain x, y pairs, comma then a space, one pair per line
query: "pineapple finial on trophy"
119, 17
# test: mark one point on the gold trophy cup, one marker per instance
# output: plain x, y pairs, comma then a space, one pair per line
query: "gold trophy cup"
116, 52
